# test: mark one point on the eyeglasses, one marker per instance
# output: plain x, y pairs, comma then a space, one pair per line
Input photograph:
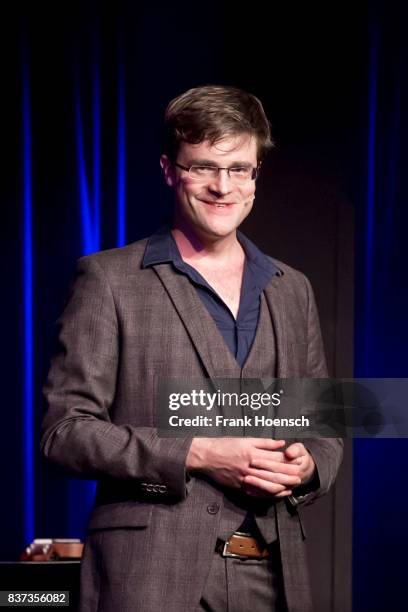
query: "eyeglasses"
238, 174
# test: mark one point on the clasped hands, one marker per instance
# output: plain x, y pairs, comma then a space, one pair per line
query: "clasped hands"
261, 467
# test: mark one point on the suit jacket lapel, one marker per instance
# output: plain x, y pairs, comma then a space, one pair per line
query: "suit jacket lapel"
277, 310
203, 332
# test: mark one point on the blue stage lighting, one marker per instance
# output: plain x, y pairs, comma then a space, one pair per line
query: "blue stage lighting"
28, 367
121, 203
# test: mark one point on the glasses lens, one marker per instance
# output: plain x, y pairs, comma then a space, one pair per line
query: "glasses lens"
238, 174
203, 172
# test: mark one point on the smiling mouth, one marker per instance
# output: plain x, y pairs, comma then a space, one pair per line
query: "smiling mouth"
218, 204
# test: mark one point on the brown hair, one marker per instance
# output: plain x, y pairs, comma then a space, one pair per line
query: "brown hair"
212, 112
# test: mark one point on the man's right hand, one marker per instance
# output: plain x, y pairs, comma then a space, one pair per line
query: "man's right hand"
229, 460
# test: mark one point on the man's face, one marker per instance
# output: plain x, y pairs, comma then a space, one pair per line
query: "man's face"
213, 208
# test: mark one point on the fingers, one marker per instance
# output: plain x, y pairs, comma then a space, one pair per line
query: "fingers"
284, 493
298, 455
295, 450
274, 465
262, 457
267, 443
272, 488
277, 477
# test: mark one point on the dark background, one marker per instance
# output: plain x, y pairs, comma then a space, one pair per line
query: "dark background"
333, 80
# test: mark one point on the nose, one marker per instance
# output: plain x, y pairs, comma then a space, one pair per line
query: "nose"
221, 184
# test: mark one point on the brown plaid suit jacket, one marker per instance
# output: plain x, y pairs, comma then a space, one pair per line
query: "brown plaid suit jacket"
122, 327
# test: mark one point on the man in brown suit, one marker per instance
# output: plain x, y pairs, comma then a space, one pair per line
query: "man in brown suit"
184, 524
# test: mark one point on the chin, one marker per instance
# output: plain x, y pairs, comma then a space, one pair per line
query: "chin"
221, 232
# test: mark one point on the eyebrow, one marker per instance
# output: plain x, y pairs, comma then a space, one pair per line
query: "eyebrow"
209, 162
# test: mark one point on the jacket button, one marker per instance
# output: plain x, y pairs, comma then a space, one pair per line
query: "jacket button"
212, 508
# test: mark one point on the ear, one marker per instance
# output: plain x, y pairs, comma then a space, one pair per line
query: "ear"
168, 170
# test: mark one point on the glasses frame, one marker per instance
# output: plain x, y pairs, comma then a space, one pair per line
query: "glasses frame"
253, 177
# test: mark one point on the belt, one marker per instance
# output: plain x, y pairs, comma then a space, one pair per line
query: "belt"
242, 546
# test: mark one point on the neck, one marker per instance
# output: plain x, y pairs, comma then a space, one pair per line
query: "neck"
194, 247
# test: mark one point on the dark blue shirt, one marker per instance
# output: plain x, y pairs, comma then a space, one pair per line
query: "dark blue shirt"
238, 333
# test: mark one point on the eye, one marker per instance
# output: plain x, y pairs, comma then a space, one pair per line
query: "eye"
240, 171
202, 170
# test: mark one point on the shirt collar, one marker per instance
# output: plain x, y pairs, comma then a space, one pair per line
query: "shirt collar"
159, 248
262, 265
162, 248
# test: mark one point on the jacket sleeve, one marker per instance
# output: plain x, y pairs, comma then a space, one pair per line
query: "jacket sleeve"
78, 432
327, 453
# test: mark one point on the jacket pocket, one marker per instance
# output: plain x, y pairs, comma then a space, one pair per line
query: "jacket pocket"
120, 515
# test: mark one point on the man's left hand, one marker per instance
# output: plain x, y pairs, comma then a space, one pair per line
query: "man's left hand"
297, 453
261, 473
